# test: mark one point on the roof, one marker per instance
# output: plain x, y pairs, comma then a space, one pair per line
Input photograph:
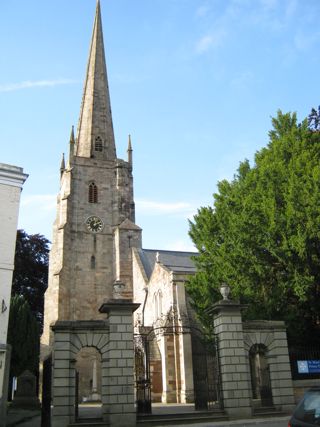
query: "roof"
177, 262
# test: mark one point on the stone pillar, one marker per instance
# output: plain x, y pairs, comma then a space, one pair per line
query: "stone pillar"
187, 386
94, 392
280, 371
63, 381
118, 374
168, 369
234, 368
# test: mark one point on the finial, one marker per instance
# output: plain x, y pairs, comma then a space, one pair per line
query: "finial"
129, 151
118, 288
63, 165
225, 291
129, 143
72, 135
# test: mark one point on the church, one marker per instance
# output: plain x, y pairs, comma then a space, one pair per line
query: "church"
150, 347
97, 245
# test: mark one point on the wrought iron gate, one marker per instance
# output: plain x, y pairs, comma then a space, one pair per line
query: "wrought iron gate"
206, 373
76, 396
205, 364
142, 374
46, 393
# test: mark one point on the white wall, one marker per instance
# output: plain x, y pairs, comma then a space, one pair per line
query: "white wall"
11, 181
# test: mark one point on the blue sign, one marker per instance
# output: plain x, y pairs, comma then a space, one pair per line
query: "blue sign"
308, 366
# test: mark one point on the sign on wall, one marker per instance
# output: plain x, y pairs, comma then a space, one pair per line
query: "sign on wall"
308, 366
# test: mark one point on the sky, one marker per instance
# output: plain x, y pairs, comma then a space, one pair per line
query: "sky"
195, 83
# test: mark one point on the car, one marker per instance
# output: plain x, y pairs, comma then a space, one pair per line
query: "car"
307, 412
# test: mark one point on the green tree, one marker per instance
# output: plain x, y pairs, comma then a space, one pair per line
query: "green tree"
23, 336
262, 235
30, 275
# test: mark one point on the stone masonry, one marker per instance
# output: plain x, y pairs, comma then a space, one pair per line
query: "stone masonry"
118, 378
234, 367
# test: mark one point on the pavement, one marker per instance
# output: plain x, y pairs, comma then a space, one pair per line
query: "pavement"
32, 418
23, 417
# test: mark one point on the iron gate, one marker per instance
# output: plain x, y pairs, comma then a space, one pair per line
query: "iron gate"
206, 372
142, 374
205, 363
46, 393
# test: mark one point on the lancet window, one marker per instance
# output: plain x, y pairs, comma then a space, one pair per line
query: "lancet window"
93, 193
98, 144
93, 262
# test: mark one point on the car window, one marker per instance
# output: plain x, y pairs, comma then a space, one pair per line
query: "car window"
309, 408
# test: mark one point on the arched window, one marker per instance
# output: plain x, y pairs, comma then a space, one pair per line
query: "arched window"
93, 193
98, 144
155, 306
93, 262
159, 303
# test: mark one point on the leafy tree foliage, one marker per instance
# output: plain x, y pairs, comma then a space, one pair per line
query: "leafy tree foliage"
314, 119
30, 275
262, 235
23, 335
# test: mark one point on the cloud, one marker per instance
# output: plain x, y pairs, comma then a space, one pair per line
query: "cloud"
304, 41
202, 10
211, 40
150, 207
11, 87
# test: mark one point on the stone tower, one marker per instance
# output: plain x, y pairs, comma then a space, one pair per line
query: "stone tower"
94, 228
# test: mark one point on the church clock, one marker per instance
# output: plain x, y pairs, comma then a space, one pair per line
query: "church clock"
94, 224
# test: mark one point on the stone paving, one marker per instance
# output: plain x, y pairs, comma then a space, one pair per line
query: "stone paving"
32, 418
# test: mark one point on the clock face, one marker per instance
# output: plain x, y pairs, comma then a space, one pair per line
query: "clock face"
94, 224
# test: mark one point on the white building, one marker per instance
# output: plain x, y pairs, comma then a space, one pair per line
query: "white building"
11, 181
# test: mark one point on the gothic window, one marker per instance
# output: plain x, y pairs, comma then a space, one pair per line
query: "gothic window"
159, 303
155, 306
93, 193
93, 262
98, 144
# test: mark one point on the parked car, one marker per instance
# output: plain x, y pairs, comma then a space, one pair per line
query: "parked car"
307, 412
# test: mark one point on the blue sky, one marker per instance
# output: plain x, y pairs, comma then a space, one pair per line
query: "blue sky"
195, 83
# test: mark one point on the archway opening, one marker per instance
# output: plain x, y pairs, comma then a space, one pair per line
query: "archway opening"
260, 375
88, 384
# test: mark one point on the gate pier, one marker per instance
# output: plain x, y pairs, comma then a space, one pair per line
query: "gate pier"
118, 379
113, 339
234, 370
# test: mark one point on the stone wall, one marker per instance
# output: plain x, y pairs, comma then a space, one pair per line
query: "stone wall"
272, 334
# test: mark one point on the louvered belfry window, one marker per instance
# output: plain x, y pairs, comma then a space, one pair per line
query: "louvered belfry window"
93, 193
98, 144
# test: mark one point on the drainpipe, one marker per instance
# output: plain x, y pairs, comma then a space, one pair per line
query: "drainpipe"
144, 303
176, 343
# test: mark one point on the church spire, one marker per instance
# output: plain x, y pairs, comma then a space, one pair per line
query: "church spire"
95, 137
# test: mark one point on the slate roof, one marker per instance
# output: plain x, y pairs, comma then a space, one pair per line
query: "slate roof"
177, 262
